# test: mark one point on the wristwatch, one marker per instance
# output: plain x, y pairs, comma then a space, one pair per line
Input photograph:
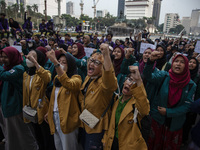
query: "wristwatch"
57, 65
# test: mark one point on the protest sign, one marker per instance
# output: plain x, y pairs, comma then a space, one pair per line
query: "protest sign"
144, 46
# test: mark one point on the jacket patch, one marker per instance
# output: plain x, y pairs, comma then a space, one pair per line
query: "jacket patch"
12, 71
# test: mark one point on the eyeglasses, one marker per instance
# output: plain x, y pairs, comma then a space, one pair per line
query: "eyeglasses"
96, 62
130, 80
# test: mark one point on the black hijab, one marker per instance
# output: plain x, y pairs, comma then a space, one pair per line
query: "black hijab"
72, 68
161, 62
41, 61
193, 73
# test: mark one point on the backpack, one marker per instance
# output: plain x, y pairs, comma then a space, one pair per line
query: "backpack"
145, 127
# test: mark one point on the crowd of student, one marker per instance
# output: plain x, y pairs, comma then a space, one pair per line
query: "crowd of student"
99, 102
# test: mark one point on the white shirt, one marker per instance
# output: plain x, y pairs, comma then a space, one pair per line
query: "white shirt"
55, 108
31, 82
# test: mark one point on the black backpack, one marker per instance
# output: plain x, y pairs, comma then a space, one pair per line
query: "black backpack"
145, 127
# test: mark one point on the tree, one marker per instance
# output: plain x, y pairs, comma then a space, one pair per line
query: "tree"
3, 6
137, 23
177, 29
15, 8
35, 7
160, 27
29, 9
22, 10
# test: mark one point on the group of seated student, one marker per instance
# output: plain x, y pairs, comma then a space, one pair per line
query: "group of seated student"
99, 101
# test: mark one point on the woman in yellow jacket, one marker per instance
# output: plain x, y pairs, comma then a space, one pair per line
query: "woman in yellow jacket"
64, 110
35, 81
95, 96
123, 132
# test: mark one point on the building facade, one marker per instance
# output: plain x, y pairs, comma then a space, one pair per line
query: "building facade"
121, 5
99, 13
156, 12
195, 22
186, 23
171, 21
70, 8
136, 9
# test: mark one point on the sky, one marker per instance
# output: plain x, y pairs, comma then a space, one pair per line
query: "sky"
182, 7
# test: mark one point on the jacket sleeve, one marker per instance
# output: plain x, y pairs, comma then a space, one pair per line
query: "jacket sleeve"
142, 103
153, 76
45, 75
73, 83
7, 27
12, 75
126, 63
183, 109
40, 26
195, 106
81, 63
109, 81
1, 27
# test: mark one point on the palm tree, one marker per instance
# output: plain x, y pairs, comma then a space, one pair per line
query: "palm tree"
35, 7
21, 7
9, 12
15, 8
3, 6
29, 9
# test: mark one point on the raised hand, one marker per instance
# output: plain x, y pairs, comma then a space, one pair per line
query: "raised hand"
52, 56
104, 49
129, 52
135, 74
154, 55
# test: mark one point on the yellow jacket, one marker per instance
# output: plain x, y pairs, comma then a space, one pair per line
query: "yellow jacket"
37, 91
129, 135
68, 106
97, 99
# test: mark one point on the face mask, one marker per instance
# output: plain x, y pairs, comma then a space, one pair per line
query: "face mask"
62, 67
29, 63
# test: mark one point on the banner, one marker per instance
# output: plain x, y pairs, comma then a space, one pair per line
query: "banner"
197, 47
19, 48
88, 51
144, 46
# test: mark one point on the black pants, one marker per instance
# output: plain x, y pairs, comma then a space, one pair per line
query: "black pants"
43, 30
51, 32
115, 145
2, 34
44, 138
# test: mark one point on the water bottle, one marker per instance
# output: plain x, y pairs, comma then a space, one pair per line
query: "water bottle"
40, 103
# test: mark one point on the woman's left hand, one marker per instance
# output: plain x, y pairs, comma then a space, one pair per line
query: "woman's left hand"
162, 110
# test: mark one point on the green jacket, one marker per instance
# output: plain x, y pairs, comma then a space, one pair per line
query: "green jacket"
82, 67
11, 94
149, 87
176, 114
197, 93
124, 70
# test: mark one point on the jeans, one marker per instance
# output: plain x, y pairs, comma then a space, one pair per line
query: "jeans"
92, 141
64, 141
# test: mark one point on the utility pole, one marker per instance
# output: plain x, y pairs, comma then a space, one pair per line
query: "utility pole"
45, 9
81, 4
59, 7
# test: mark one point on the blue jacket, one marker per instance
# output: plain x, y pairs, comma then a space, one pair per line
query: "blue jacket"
11, 95
50, 26
4, 24
176, 114
42, 26
28, 25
